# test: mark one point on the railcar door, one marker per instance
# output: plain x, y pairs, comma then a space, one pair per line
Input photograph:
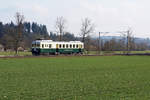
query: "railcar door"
57, 47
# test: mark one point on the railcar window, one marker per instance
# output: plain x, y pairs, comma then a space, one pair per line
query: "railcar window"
42, 45
50, 45
77, 46
70, 46
60, 46
74, 46
63, 45
67, 46
38, 45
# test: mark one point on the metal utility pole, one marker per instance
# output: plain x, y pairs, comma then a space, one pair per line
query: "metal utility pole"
127, 34
99, 43
128, 42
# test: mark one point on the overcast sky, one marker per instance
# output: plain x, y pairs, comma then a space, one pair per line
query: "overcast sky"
107, 15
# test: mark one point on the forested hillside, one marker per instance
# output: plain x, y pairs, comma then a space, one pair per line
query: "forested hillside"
31, 31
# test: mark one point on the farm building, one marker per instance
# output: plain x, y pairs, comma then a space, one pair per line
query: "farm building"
1, 47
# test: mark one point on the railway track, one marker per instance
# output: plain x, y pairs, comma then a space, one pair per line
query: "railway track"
43, 56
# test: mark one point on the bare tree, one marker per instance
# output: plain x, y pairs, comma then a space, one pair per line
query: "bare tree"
60, 26
19, 30
129, 39
86, 28
100, 41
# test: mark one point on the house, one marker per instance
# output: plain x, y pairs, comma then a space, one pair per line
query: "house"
1, 47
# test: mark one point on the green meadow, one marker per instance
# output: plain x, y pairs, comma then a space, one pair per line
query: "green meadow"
75, 78
12, 53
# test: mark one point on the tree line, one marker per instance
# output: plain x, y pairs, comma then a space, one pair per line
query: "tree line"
21, 34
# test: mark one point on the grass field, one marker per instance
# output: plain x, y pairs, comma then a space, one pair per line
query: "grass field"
11, 53
75, 78
119, 52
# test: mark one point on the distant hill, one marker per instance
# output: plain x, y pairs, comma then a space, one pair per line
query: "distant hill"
137, 40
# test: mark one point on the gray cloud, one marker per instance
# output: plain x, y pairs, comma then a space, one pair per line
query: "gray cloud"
108, 15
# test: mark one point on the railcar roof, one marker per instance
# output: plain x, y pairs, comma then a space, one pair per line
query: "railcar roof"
48, 41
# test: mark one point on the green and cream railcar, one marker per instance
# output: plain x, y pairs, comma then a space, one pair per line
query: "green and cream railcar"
52, 47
